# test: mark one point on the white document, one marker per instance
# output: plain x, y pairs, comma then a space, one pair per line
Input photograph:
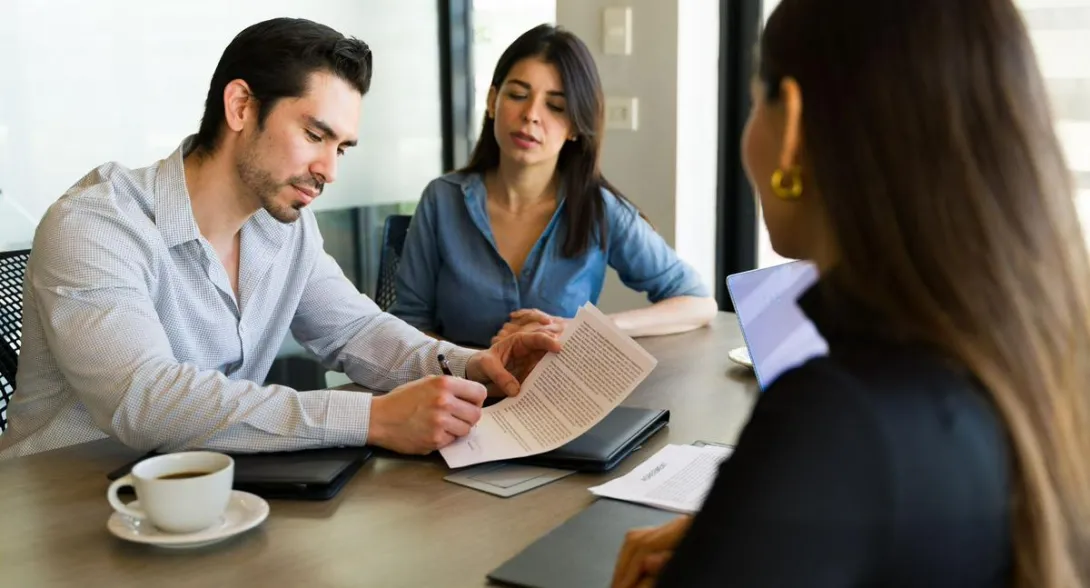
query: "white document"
676, 478
565, 395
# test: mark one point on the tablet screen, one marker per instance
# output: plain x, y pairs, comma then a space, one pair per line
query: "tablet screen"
777, 333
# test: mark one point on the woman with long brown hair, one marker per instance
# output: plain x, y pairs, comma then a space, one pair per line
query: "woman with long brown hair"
521, 237
906, 147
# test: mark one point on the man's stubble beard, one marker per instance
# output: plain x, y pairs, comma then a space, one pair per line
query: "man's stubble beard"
262, 186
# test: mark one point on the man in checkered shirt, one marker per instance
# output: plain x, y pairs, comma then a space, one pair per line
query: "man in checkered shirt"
157, 298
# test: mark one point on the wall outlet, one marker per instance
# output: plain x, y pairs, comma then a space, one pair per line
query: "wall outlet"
622, 113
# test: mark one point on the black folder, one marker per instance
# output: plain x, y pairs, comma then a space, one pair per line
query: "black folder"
311, 474
582, 551
606, 444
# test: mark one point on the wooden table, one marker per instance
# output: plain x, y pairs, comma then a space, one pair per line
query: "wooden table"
396, 524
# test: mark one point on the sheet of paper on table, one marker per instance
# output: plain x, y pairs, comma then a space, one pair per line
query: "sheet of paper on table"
677, 478
562, 398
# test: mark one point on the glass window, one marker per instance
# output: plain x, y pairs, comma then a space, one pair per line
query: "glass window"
765, 255
1059, 29
125, 80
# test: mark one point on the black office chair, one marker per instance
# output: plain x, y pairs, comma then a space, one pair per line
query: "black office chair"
393, 239
12, 270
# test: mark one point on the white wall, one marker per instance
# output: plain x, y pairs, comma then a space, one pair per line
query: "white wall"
668, 166
85, 82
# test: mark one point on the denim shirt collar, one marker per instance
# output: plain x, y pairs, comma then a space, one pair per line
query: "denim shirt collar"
476, 199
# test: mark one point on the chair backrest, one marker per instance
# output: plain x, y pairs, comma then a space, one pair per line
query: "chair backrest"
393, 239
12, 270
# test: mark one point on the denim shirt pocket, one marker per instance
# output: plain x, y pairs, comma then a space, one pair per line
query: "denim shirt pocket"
567, 285
561, 297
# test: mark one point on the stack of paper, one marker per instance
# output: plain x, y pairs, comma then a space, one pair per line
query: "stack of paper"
562, 398
676, 478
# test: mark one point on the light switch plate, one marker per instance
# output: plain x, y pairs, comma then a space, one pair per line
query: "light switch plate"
617, 30
622, 113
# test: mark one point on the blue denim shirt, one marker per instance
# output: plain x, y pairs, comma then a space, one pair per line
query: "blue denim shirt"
453, 282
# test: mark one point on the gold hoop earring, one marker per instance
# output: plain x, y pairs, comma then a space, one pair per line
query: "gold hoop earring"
792, 189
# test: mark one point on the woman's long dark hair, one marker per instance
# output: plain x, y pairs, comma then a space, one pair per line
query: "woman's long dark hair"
928, 131
579, 166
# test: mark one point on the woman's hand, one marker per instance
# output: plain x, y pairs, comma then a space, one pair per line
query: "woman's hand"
645, 553
530, 320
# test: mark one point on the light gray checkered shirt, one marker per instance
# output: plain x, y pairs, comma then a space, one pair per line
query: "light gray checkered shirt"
131, 328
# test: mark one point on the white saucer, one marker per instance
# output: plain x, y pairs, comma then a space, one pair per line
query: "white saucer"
740, 355
244, 512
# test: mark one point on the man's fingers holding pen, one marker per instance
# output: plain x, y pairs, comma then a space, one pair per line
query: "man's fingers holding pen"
461, 399
422, 416
462, 389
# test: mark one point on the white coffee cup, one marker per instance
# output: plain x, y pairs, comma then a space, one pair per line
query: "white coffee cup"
173, 501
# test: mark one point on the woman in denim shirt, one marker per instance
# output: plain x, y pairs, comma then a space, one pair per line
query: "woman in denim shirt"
520, 238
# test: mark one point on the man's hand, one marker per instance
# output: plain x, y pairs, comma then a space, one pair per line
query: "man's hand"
425, 415
645, 553
507, 363
530, 320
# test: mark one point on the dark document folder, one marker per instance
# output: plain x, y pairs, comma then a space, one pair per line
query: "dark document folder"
607, 443
312, 474
582, 551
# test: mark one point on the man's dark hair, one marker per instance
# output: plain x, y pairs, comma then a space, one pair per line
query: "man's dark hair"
276, 58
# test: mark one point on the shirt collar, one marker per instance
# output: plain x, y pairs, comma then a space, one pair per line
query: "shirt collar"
840, 314
845, 319
473, 188
476, 199
472, 184
476, 194
173, 211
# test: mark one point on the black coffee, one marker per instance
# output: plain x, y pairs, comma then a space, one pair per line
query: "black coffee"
183, 475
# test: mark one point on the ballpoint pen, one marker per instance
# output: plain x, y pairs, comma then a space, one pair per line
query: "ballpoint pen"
443, 365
